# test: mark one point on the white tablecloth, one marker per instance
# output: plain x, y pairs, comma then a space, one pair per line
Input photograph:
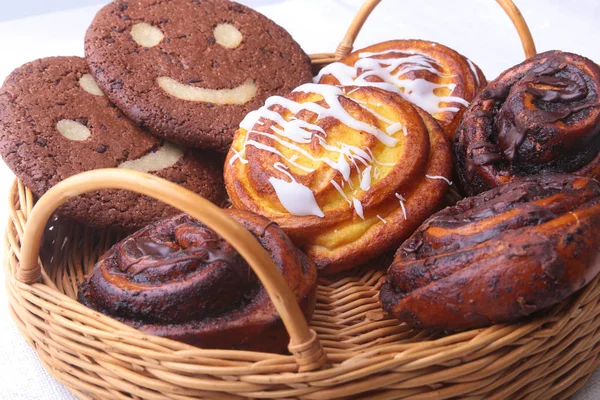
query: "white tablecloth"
476, 28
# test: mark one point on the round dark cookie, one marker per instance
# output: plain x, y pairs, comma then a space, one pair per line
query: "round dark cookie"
44, 100
183, 43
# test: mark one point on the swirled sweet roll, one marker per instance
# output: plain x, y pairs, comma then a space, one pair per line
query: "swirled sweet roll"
498, 256
179, 279
430, 75
541, 116
347, 172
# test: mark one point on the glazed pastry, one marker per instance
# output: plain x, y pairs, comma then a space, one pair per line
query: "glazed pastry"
179, 279
499, 256
347, 172
432, 76
541, 116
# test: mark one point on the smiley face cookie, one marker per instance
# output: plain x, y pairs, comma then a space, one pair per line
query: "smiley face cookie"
189, 71
55, 122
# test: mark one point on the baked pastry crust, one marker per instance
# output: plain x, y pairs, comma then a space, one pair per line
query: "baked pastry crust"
347, 172
179, 279
431, 75
541, 116
498, 256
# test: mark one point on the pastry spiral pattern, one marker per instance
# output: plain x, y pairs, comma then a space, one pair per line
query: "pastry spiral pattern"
499, 256
541, 116
430, 75
347, 172
179, 279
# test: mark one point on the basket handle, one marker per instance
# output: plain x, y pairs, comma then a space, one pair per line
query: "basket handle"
345, 47
303, 341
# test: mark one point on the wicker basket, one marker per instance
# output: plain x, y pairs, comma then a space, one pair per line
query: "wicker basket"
350, 350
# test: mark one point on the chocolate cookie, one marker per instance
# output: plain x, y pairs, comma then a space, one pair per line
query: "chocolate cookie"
55, 122
189, 71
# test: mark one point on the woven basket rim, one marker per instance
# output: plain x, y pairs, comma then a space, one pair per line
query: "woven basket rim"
495, 348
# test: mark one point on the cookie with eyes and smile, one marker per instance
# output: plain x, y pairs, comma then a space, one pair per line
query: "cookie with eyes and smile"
55, 122
189, 71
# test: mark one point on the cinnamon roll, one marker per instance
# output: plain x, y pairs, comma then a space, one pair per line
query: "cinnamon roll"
541, 116
499, 256
430, 75
179, 279
347, 172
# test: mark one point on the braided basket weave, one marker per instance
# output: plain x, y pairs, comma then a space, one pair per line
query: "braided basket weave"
351, 349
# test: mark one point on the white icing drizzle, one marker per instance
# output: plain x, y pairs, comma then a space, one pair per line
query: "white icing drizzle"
248, 142
375, 113
296, 198
304, 204
402, 200
382, 219
419, 91
336, 110
416, 61
339, 189
304, 153
237, 156
297, 129
376, 172
443, 178
472, 66
343, 167
365, 180
358, 208
283, 169
393, 128
294, 134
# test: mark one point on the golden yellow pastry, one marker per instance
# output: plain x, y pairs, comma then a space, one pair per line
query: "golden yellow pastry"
347, 172
432, 76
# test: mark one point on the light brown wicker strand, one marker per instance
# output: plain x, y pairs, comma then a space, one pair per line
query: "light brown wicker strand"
443, 340
347, 44
303, 343
522, 28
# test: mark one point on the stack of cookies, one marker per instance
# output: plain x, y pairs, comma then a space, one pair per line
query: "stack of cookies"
162, 89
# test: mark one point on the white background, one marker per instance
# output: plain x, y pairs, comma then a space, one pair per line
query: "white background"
476, 28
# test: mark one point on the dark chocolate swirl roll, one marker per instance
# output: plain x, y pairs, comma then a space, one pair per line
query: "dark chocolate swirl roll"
499, 256
179, 279
541, 116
